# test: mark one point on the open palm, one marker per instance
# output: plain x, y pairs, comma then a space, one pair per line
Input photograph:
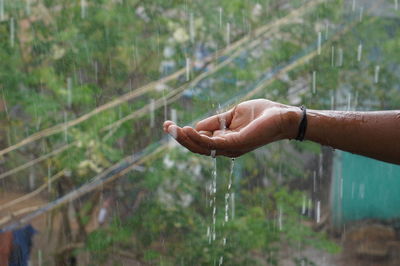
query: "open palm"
245, 127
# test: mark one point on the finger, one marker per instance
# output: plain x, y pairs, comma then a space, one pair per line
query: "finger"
205, 147
220, 133
201, 139
166, 125
222, 143
229, 154
215, 122
207, 133
179, 135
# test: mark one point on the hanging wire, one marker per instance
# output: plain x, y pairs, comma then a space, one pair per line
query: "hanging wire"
132, 161
159, 103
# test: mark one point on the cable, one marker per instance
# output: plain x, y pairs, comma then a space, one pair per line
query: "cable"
35, 161
33, 193
147, 88
128, 164
114, 126
132, 161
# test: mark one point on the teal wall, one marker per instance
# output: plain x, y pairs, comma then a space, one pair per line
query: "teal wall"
363, 188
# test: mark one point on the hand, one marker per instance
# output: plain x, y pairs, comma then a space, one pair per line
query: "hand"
247, 126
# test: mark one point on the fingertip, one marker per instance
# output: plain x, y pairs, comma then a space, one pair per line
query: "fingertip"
173, 131
167, 124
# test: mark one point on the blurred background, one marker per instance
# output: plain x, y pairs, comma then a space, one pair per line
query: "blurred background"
89, 178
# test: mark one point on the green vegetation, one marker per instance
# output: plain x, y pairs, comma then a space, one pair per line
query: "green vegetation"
59, 61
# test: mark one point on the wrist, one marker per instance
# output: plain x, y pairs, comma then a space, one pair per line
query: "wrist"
291, 117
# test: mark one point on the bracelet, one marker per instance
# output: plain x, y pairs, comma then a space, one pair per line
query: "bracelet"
303, 124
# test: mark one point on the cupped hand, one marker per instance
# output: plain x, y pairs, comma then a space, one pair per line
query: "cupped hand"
247, 126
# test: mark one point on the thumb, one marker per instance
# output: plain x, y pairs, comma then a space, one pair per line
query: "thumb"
220, 121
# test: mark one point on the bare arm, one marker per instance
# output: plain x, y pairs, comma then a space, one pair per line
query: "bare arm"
372, 134
255, 123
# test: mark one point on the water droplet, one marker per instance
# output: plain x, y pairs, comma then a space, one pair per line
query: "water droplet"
192, 28
318, 211
359, 52
40, 257
69, 92
314, 181
32, 177
228, 34
321, 163
220, 17
314, 80
96, 74
341, 188
232, 205
1, 10
188, 68
152, 108
28, 7
83, 9
222, 123
362, 191
213, 152
12, 32
376, 74
349, 101
174, 133
174, 115
226, 207
213, 193
319, 42
49, 178
340, 59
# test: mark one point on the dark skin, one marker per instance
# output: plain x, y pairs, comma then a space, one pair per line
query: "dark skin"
255, 123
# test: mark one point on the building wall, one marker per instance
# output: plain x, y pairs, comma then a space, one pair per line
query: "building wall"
363, 188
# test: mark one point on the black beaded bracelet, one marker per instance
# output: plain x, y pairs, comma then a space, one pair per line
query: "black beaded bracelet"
303, 125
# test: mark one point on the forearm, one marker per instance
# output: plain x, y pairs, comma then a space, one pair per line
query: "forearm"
372, 134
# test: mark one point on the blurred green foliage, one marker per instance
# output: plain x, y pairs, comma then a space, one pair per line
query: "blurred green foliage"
65, 61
